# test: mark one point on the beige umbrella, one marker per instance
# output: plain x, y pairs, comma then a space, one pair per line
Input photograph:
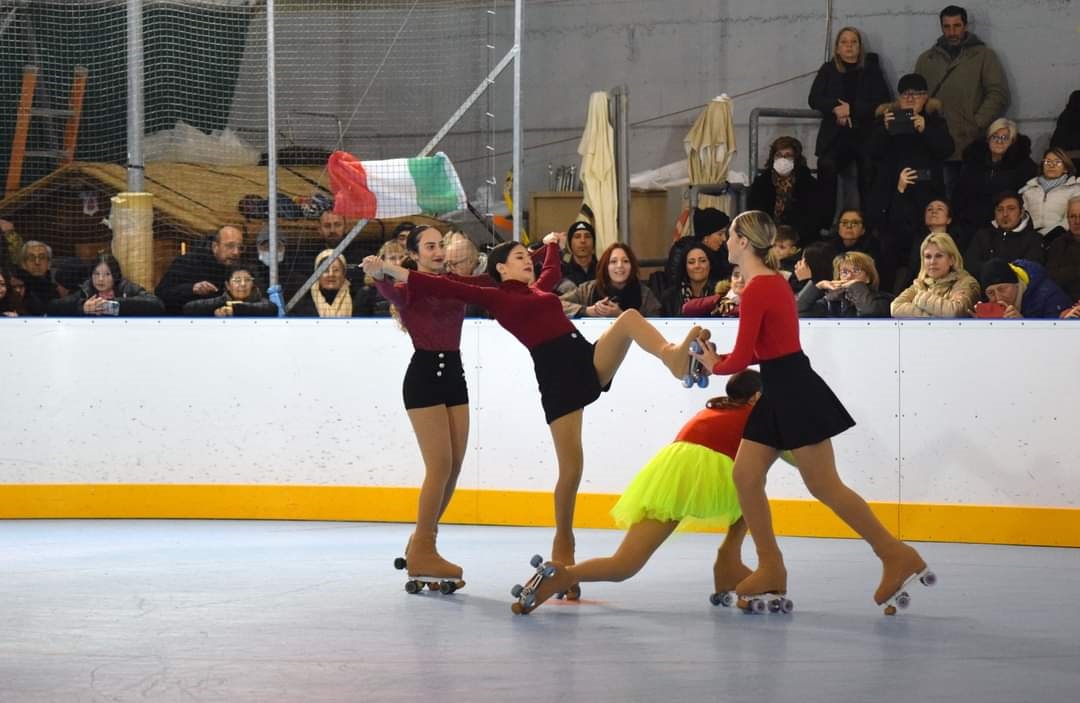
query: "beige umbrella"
597, 150
710, 146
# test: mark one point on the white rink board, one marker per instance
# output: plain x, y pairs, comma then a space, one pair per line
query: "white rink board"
980, 414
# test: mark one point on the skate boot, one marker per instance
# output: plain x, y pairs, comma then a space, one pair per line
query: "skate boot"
900, 565
549, 579
427, 568
765, 589
677, 356
728, 572
562, 551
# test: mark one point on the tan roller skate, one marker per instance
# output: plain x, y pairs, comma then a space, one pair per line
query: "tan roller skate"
677, 356
728, 572
427, 568
550, 578
562, 551
765, 589
900, 565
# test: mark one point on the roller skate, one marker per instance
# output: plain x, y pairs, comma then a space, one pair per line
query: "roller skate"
677, 356
562, 551
900, 566
765, 589
426, 568
551, 577
727, 573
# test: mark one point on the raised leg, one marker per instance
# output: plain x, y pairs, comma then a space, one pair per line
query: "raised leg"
631, 328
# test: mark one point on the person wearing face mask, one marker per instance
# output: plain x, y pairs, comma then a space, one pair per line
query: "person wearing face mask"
788, 191
1010, 236
291, 272
617, 287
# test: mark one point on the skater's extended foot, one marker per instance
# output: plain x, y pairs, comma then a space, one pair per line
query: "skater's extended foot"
770, 577
899, 562
677, 356
422, 559
728, 571
561, 581
562, 551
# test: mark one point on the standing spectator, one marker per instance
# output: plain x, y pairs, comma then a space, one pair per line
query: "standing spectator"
1022, 289
967, 77
943, 288
242, 298
854, 291
1047, 195
1067, 132
11, 304
107, 292
847, 90
788, 191
292, 272
851, 235
617, 287
191, 276
694, 280
1063, 258
34, 272
1010, 236
1000, 163
580, 267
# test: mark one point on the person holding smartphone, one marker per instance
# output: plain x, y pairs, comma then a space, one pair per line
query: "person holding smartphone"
107, 292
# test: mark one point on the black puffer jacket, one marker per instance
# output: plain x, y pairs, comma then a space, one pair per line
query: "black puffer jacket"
135, 301
254, 306
981, 179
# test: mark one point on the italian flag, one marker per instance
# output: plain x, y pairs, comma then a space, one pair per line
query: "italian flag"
367, 190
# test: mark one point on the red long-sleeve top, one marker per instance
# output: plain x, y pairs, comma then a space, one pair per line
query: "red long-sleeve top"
532, 313
434, 323
719, 429
768, 325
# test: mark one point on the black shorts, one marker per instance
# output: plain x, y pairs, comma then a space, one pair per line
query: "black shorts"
797, 408
434, 378
566, 375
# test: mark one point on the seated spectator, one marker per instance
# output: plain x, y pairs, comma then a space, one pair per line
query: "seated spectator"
1067, 132
10, 245
1010, 236
191, 276
242, 298
1047, 195
1063, 258
332, 229
392, 252
942, 288
292, 272
852, 235
694, 280
788, 191
710, 233
334, 296
580, 267
400, 234
1022, 289
33, 272
854, 291
910, 134
786, 250
816, 264
724, 302
1000, 163
936, 219
107, 292
616, 288
11, 304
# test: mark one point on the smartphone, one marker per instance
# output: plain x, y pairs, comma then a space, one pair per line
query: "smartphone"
989, 311
902, 122
923, 174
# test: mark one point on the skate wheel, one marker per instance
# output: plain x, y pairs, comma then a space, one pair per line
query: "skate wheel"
928, 579
715, 599
413, 587
727, 599
536, 560
903, 601
516, 609
703, 382
687, 381
399, 563
757, 606
774, 606
890, 610
786, 606
516, 590
549, 571
447, 588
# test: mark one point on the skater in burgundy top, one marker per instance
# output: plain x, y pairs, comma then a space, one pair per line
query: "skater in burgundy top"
436, 398
797, 412
570, 371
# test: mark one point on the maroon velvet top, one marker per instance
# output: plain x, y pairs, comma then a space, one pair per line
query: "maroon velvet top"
434, 323
768, 325
532, 313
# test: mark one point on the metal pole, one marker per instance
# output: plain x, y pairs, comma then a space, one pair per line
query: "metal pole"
828, 29
271, 144
135, 114
517, 166
622, 159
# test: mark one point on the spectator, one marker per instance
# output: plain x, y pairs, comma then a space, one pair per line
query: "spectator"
190, 277
1063, 257
1047, 195
911, 136
694, 280
334, 295
463, 259
401, 233
1000, 163
11, 304
709, 232
1067, 132
854, 291
10, 245
1010, 236
242, 298
814, 265
292, 271
616, 288
937, 219
392, 252
580, 267
942, 288
724, 302
846, 91
107, 292
851, 235
786, 250
788, 191
1023, 289
34, 273
68, 274
966, 76
332, 229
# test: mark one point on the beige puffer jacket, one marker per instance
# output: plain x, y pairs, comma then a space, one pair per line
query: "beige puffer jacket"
954, 295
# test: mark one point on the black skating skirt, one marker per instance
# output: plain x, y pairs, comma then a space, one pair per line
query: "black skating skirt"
566, 375
797, 408
434, 378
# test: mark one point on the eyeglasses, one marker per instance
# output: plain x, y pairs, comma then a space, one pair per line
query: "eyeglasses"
1053, 162
850, 223
42, 258
853, 271
912, 94
1001, 138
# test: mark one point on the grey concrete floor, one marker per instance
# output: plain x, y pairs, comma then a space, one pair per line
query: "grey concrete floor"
301, 611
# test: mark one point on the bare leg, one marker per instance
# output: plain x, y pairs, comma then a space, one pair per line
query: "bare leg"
459, 440
752, 463
566, 435
631, 328
641, 540
432, 428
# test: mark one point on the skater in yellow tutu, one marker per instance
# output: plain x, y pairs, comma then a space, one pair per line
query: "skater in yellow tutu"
687, 479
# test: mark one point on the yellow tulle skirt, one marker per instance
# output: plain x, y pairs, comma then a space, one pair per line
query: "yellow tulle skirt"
683, 481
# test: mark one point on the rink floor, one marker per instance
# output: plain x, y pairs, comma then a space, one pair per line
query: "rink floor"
303, 611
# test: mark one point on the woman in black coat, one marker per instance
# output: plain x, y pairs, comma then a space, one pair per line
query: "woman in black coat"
847, 90
107, 292
1001, 163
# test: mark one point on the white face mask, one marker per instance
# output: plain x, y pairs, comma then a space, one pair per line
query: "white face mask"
783, 166
264, 257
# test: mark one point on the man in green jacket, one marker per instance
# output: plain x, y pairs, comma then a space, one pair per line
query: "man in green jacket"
965, 74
